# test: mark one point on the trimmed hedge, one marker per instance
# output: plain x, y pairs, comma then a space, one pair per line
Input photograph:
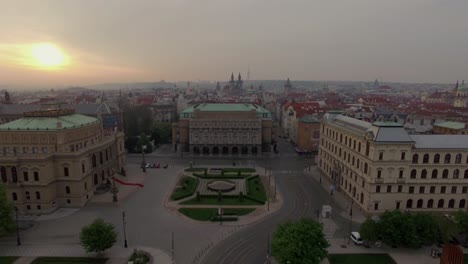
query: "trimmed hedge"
226, 200
255, 189
190, 185
219, 176
194, 169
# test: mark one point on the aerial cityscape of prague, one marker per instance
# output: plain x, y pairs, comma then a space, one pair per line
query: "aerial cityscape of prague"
233, 132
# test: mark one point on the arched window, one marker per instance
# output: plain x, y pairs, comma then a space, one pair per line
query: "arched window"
426, 158
451, 203
461, 204
440, 204
14, 174
67, 189
83, 168
430, 203
409, 203
38, 195
14, 196
3, 173
28, 196
447, 158
466, 174
415, 158
458, 158
96, 180
365, 168
101, 160
434, 173
413, 174
456, 173
423, 174
445, 174
94, 160
436, 158
419, 204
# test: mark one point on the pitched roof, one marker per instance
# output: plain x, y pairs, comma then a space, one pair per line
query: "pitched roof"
440, 141
451, 125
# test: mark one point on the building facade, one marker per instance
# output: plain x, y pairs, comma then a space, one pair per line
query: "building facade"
56, 158
379, 166
216, 129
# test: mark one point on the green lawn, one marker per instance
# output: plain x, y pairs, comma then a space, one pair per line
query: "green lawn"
205, 214
360, 259
7, 260
255, 188
465, 258
187, 186
194, 169
226, 200
242, 170
53, 260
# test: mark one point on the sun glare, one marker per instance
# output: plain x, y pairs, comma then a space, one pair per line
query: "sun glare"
47, 56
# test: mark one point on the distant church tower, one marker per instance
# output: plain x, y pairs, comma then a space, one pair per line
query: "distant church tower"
461, 95
287, 86
7, 98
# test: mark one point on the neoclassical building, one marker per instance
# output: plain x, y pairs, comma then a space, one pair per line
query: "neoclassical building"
56, 158
217, 129
379, 166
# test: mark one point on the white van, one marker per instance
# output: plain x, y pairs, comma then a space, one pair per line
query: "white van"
356, 238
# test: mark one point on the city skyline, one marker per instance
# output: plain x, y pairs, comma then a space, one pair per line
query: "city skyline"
89, 42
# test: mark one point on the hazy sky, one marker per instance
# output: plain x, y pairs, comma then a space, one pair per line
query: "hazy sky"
174, 40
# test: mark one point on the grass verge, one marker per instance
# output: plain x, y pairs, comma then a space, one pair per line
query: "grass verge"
207, 214
360, 259
57, 260
225, 200
187, 186
255, 189
7, 260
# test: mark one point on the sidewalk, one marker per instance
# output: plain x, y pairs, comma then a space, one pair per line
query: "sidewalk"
116, 255
338, 196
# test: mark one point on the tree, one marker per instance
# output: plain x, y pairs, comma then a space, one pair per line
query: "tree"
461, 218
98, 236
369, 230
161, 133
300, 242
6, 213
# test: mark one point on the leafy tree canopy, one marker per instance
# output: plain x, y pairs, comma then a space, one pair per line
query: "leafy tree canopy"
300, 242
6, 213
98, 236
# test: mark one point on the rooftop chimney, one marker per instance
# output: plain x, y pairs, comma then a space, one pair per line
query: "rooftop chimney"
59, 125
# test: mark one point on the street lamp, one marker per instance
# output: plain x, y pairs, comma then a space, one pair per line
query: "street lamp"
125, 233
269, 191
18, 240
114, 191
143, 162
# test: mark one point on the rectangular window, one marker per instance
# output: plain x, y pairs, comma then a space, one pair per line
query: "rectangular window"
411, 189
397, 205
376, 206
403, 155
65, 171
381, 155
400, 188
379, 174
421, 189
432, 189
442, 189
26, 176
389, 188
454, 189
400, 175
377, 188
36, 176
465, 189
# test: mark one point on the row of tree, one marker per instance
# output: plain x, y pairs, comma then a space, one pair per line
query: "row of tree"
413, 230
138, 121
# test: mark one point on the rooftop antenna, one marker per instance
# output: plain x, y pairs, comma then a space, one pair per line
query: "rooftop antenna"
248, 73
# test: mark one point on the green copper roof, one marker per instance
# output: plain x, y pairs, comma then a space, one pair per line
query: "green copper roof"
387, 124
452, 125
226, 108
49, 123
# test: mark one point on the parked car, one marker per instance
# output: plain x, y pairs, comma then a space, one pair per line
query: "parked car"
157, 165
356, 238
165, 166
147, 165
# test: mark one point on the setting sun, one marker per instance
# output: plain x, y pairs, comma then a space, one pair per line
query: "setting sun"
47, 56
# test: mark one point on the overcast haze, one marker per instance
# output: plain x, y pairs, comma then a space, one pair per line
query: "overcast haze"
173, 40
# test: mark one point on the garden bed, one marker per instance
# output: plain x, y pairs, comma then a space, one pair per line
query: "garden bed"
186, 188
210, 214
